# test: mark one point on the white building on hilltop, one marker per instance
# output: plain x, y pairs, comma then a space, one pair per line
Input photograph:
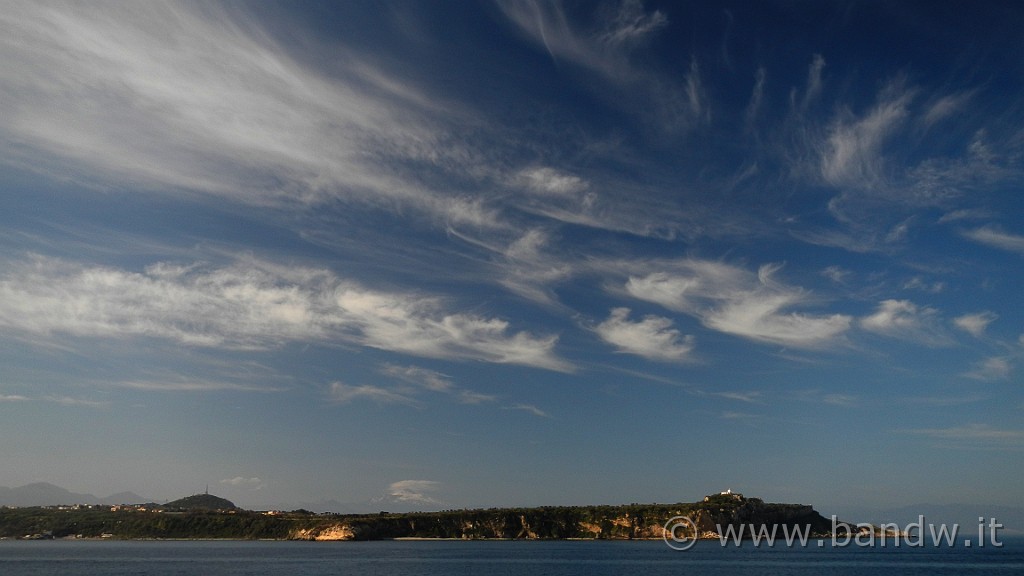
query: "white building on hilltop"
729, 493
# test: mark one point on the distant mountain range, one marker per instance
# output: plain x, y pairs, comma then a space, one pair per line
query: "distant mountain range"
46, 494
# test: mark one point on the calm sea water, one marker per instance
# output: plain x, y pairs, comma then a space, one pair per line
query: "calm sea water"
652, 558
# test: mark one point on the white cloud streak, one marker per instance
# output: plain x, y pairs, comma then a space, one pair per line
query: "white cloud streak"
428, 379
251, 305
419, 326
71, 401
192, 385
342, 393
840, 400
602, 48
531, 409
813, 81
55, 399
836, 274
993, 236
975, 324
608, 43
631, 24
883, 170
964, 214
917, 283
528, 270
254, 483
236, 307
754, 397
652, 337
853, 153
945, 106
994, 368
201, 97
425, 379
905, 320
548, 181
414, 491
974, 433
732, 300
13, 398
756, 97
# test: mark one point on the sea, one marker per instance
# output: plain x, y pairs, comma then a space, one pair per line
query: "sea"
494, 558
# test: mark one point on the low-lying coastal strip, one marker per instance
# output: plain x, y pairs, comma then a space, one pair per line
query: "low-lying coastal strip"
208, 517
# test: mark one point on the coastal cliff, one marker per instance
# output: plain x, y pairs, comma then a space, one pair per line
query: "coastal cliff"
625, 522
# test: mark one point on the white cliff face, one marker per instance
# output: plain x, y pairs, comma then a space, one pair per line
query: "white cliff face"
332, 532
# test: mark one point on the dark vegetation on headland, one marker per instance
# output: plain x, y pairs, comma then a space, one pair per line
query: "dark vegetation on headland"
198, 502
204, 516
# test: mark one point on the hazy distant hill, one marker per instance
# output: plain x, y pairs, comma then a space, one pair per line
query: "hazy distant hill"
201, 502
46, 494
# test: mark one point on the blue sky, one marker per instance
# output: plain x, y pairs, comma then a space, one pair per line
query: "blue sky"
487, 254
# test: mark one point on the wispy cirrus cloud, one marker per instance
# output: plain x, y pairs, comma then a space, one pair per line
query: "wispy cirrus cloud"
745, 417
529, 269
885, 169
945, 106
193, 385
414, 492
964, 214
905, 320
993, 368
433, 381
253, 483
232, 307
812, 92
55, 399
819, 396
204, 98
605, 43
752, 397
547, 181
852, 155
847, 400
918, 283
604, 200
422, 377
937, 181
732, 300
561, 196
756, 98
996, 238
974, 434
252, 305
13, 398
72, 401
530, 409
419, 326
975, 324
601, 45
631, 24
837, 274
341, 393
652, 337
